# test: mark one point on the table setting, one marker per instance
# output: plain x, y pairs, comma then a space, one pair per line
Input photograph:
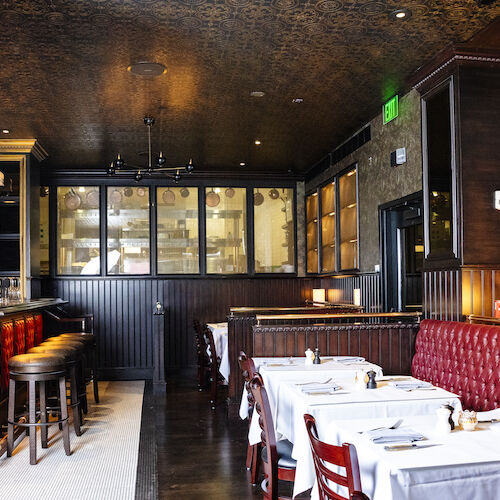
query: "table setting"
419, 459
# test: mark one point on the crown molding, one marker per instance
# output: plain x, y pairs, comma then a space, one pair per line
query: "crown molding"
30, 146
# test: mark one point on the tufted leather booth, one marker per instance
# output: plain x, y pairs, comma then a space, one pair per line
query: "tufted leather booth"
7, 351
19, 336
30, 332
461, 358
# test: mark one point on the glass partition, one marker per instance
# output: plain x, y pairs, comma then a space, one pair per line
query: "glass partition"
273, 230
348, 206
226, 235
312, 232
177, 230
328, 227
78, 230
44, 230
128, 230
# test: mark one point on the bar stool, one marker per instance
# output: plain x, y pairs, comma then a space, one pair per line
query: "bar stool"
70, 354
33, 368
90, 340
81, 364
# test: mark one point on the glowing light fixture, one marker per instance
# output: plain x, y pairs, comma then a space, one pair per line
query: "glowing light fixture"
356, 296
319, 296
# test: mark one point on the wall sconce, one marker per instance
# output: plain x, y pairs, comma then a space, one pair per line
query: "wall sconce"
356, 296
335, 296
2, 179
497, 200
319, 296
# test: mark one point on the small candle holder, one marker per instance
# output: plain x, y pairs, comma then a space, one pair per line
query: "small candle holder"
467, 420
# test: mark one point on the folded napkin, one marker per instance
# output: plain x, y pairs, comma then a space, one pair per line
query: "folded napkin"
348, 359
314, 388
387, 436
406, 385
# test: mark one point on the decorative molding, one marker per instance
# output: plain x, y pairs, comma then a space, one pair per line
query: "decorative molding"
31, 146
456, 57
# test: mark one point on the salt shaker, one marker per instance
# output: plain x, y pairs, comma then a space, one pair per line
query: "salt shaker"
317, 359
309, 357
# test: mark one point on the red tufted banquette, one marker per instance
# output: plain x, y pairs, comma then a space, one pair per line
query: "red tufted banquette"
461, 358
7, 351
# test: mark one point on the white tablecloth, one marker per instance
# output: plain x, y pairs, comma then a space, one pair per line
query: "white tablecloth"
293, 369
461, 465
349, 403
219, 332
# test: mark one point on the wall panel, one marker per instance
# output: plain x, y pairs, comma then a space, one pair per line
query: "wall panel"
123, 308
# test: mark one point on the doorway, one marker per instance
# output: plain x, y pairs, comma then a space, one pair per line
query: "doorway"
402, 251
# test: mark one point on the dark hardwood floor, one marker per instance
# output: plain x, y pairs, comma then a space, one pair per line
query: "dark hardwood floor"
200, 453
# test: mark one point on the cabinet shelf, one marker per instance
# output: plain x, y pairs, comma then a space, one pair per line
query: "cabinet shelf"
10, 236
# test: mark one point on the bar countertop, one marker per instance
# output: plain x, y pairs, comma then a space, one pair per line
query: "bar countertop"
29, 305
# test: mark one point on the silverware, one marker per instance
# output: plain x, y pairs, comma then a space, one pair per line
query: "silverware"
421, 389
320, 383
412, 446
490, 421
395, 425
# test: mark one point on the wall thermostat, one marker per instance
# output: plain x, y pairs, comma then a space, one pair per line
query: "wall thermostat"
398, 157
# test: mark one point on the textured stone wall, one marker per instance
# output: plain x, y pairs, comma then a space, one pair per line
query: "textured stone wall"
378, 182
301, 230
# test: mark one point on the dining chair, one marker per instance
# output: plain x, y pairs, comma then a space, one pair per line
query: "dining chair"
248, 371
277, 461
202, 355
342, 456
214, 363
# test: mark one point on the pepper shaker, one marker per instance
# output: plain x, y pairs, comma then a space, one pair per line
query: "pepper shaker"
317, 359
371, 384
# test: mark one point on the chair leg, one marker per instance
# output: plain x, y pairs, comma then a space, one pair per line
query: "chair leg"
11, 416
44, 430
73, 388
255, 464
94, 377
32, 419
213, 392
249, 461
64, 414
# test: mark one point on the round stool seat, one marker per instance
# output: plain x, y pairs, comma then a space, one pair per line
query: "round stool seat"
36, 363
86, 337
57, 341
60, 338
69, 353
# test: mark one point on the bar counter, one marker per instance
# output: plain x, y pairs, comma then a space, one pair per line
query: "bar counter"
31, 305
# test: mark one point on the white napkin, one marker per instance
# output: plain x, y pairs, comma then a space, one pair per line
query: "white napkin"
387, 436
313, 388
410, 384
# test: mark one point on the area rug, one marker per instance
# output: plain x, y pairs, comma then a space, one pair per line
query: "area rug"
103, 462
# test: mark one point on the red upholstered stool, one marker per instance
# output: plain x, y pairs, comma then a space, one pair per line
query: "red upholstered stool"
33, 369
70, 354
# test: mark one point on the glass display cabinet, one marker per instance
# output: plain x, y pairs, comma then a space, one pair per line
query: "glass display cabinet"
328, 227
226, 240
177, 230
348, 208
78, 230
128, 230
273, 230
312, 232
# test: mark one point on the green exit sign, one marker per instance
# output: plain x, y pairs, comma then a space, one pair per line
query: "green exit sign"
390, 109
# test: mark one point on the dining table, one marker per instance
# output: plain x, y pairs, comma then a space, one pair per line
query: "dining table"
460, 464
219, 333
289, 402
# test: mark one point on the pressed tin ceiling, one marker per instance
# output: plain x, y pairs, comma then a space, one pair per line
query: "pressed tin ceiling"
64, 78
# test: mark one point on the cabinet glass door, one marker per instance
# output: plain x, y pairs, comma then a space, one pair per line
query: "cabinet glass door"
274, 230
226, 235
328, 227
128, 230
177, 230
78, 230
312, 232
348, 205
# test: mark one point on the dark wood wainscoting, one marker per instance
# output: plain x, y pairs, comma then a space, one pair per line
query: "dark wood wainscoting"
123, 310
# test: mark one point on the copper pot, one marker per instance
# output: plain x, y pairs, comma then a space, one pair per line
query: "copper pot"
213, 199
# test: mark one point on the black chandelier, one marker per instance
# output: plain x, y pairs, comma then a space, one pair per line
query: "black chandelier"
119, 164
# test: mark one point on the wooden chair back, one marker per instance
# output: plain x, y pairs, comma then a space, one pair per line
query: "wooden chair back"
342, 456
268, 437
248, 372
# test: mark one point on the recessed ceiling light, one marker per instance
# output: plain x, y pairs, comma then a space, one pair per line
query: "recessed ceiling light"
400, 14
257, 93
257, 142
242, 163
5, 131
147, 68
297, 100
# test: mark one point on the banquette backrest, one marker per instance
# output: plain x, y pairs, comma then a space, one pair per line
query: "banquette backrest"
462, 358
